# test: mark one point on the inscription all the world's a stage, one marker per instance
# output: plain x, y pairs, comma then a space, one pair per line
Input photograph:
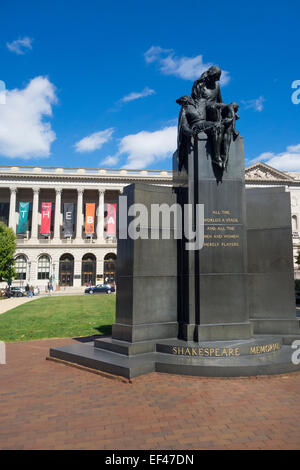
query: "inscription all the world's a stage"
221, 230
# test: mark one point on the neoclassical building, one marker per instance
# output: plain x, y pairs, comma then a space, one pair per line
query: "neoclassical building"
82, 257
78, 258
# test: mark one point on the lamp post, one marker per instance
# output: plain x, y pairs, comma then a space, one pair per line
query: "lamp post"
52, 277
29, 269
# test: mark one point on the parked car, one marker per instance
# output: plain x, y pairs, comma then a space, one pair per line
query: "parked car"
100, 289
15, 292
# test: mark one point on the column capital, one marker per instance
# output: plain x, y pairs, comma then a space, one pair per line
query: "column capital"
58, 190
121, 190
35, 190
101, 190
13, 189
80, 190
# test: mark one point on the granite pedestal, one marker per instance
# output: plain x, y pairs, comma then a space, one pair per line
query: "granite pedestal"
224, 311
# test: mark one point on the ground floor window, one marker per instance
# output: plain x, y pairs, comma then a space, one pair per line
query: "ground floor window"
66, 270
88, 274
109, 271
44, 267
21, 267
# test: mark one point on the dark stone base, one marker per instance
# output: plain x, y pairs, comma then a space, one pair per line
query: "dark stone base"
217, 332
275, 326
144, 331
260, 355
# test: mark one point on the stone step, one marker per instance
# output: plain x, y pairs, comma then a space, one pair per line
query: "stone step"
107, 361
87, 355
124, 347
278, 362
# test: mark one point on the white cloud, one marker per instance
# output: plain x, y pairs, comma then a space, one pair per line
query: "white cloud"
23, 132
94, 141
144, 148
256, 104
155, 52
188, 68
137, 95
285, 161
110, 160
20, 46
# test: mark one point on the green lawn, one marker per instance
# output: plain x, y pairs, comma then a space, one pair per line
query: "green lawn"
59, 317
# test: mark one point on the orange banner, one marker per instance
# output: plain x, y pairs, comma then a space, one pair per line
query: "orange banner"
90, 218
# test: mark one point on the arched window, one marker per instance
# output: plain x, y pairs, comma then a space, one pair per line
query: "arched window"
21, 267
88, 269
66, 270
109, 271
44, 267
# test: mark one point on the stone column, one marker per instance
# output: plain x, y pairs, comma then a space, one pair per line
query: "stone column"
100, 218
35, 213
77, 269
12, 208
57, 214
79, 214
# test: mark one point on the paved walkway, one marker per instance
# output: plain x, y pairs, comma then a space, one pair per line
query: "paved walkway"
8, 304
46, 405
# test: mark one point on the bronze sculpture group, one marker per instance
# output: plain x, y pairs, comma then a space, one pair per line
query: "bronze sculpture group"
204, 111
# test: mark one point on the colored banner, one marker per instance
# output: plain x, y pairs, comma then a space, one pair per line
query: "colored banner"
46, 218
90, 218
23, 218
111, 219
68, 219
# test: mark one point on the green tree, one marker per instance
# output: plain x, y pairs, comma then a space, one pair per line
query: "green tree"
8, 245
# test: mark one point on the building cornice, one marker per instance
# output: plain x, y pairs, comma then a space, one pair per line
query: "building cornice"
81, 175
45, 177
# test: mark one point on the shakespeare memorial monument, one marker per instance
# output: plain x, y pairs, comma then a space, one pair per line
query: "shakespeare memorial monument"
222, 304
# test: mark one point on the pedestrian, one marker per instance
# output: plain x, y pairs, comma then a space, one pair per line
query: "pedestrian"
27, 289
50, 287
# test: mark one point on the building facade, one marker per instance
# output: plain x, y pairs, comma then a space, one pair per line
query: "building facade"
80, 257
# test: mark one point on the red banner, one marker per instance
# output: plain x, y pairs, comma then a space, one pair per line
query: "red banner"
90, 218
46, 218
111, 219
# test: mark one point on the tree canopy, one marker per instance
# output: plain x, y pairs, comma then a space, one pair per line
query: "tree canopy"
8, 246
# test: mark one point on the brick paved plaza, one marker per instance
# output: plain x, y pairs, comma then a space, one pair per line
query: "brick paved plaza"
47, 405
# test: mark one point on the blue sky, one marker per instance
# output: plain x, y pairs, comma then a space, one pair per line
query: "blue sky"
94, 84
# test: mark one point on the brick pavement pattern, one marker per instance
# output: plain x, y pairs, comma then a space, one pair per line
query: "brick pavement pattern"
47, 405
